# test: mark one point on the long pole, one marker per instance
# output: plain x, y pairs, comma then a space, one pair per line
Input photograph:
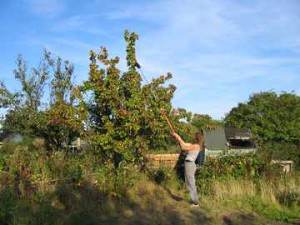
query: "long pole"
163, 111
168, 121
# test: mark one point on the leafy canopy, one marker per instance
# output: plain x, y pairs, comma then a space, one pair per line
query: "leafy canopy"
125, 115
271, 117
58, 121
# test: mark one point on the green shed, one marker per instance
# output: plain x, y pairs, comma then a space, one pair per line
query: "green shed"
228, 141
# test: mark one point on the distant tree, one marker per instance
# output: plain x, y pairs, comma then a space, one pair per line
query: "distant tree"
23, 105
270, 117
63, 120
274, 121
58, 121
205, 122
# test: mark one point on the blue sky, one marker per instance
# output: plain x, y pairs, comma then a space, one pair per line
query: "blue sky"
219, 51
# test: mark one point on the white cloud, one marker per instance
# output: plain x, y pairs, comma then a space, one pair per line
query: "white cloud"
221, 49
46, 8
80, 23
213, 47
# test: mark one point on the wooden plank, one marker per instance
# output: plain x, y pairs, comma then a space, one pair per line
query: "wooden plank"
167, 159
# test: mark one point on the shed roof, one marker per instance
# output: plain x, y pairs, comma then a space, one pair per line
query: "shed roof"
223, 139
237, 133
215, 139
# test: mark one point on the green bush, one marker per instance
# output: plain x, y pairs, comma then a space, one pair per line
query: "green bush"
240, 167
281, 151
232, 167
161, 175
7, 205
289, 198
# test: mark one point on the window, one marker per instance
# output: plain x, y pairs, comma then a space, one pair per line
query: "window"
241, 143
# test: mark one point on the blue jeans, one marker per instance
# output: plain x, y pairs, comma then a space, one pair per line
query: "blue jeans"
190, 169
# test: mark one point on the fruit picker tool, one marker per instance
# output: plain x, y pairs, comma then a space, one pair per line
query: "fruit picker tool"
155, 97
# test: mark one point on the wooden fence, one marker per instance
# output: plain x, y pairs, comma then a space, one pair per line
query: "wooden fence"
157, 160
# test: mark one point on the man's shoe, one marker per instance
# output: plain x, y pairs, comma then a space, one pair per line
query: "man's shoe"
194, 205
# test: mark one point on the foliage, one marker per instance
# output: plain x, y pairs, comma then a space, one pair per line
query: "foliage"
271, 211
122, 118
32, 85
29, 170
233, 166
252, 183
60, 188
7, 205
63, 121
125, 116
205, 122
160, 175
270, 117
57, 121
290, 198
280, 151
274, 121
24, 104
230, 167
45, 184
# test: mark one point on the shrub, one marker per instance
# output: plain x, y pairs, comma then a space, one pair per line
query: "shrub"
290, 198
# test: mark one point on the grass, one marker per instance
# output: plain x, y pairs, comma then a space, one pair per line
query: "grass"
271, 200
150, 202
128, 196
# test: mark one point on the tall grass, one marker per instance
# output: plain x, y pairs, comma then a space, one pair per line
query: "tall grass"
268, 192
246, 182
274, 199
37, 187
232, 189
